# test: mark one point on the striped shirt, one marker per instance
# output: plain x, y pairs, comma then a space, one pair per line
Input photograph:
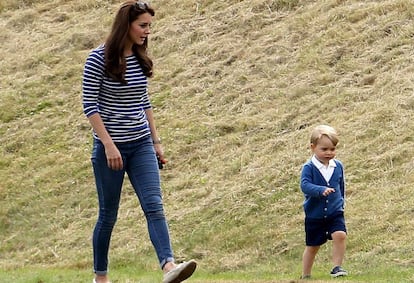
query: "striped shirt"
121, 107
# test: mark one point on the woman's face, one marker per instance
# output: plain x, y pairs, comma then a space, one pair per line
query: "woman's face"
140, 29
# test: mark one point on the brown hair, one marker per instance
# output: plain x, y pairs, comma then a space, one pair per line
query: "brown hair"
324, 130
115, 63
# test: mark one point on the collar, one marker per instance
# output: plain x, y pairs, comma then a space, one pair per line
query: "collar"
320, 165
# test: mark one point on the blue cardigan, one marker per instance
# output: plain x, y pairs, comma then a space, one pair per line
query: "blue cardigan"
313, 185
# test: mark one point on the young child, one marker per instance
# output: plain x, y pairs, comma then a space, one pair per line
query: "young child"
323, 185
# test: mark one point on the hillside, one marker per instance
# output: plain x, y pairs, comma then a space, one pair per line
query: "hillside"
238, 86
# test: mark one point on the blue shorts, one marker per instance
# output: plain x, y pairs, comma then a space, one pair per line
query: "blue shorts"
319, 231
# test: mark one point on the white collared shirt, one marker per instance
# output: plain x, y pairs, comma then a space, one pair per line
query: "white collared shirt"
326, 171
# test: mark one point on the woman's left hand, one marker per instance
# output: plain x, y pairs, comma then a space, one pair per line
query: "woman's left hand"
159, 151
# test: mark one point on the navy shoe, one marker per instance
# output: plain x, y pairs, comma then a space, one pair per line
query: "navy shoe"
338, 271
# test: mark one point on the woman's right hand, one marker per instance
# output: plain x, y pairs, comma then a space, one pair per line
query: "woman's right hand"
113, 157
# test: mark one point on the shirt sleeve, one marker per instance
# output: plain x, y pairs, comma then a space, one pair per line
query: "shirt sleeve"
342, 181
146, 103
92, 77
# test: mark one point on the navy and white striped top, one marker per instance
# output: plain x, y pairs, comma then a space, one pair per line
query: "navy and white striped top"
121, 107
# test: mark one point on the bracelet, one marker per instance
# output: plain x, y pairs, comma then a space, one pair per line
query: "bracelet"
157, 141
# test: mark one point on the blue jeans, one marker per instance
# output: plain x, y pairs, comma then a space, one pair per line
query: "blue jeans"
141, 165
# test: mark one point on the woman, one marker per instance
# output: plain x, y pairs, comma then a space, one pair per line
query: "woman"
116, 103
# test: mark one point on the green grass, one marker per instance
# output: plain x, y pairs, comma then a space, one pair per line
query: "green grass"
129, 274
238, 86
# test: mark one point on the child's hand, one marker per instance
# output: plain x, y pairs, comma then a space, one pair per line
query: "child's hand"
328, 191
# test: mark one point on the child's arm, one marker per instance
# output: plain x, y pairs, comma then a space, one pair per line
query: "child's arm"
309, 186
342, 177
342, 182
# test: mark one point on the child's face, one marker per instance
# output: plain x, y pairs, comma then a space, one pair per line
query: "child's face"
324, 150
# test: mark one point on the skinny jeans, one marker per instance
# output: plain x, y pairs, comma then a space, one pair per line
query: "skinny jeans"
141, 165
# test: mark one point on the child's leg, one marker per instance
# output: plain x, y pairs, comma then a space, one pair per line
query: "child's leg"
338, 247
308, 259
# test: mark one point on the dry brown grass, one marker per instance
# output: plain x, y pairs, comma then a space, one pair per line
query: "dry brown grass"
238, 86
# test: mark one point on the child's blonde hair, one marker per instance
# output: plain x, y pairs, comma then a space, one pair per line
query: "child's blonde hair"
324, 130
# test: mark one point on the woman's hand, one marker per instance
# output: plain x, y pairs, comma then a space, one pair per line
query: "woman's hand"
159, 151
113, 157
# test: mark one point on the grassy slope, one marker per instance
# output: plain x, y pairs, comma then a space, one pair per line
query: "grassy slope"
238, 86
